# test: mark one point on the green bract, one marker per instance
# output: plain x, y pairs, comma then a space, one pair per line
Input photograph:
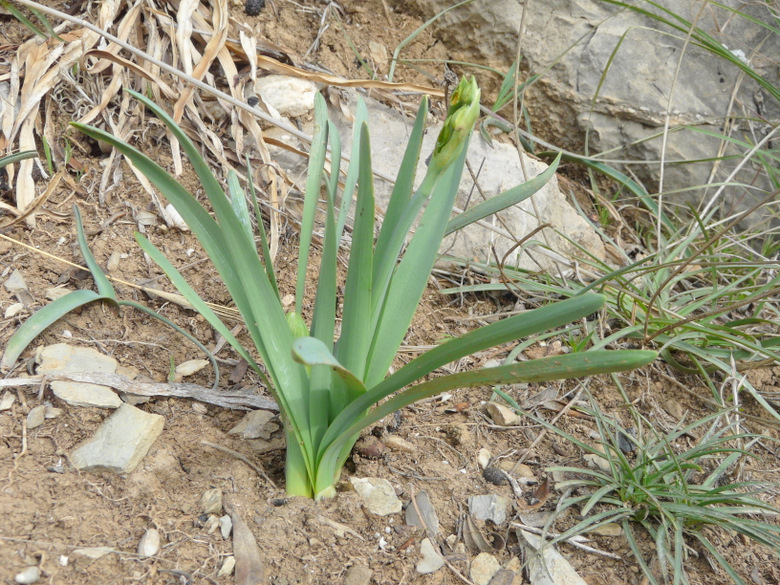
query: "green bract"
330, 386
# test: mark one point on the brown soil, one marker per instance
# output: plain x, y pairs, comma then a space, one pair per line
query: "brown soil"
45, 515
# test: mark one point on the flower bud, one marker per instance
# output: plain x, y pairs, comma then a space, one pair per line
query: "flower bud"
297, 325
461, 117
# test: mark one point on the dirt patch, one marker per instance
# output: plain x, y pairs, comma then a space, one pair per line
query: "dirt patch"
49, 510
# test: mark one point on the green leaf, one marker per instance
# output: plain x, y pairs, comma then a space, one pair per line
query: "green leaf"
42, 319
504, 200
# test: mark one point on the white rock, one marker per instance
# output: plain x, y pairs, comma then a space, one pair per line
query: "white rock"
13, 310
378, 495
431, 560
7, 401
191, 367
149, 544
483, 567
287, 95
174, 219
28, 576
120, 442
227, 567
483, 458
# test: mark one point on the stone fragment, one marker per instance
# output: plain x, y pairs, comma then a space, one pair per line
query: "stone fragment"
120, 442
358, 575
28, 576
52, 411
429, 520
211, 501
257, 424
13, 310
149, 544
483, 567
36, 416
7, 401
62, 357
287, 95
225, 526
431, 560
396, 443
190, 367
674, 408
611, 529
483, 458
489, 507
378, 495
596, 461
15, 283
545, 565
502, 415
227, 567
56, 292
94, 552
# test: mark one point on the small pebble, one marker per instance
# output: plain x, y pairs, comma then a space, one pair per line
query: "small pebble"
227, 567
28, 575
149, 544
494, 475
36, 417
225, 526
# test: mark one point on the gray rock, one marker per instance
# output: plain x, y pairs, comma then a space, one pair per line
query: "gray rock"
120, 442
36, 416
15, 283
358, 575
62, 357
570, 43
225, 526
431, 560
489, 507
483, 568
545, 565
429, 520
378, 495
257, 424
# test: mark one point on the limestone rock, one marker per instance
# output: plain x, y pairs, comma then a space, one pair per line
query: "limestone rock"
121, 441
378, 495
